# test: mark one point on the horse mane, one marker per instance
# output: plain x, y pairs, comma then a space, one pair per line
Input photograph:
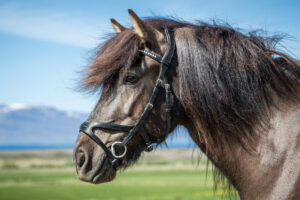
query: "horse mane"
229, 81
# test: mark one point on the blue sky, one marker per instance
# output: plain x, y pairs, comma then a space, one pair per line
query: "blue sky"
45, 44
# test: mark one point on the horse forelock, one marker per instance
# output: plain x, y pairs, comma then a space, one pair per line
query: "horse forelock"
119, 52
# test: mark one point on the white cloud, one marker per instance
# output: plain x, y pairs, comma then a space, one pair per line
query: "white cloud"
56, 27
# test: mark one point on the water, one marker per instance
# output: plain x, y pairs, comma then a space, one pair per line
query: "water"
69, 146
33, 147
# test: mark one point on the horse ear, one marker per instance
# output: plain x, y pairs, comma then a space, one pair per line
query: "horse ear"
117, 27
139, 26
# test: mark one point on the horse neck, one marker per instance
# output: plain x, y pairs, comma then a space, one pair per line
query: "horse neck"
271, 173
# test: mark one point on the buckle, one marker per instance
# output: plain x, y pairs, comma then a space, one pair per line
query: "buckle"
149, 148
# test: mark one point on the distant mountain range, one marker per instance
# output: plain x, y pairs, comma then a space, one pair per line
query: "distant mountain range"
39, 127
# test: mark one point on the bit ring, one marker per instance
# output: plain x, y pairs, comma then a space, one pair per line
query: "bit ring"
113, 151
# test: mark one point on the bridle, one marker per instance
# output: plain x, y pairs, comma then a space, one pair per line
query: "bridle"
88, 127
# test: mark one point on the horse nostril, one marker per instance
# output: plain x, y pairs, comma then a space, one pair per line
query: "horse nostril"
81, 158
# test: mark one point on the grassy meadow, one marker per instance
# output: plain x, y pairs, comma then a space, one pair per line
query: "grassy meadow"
169, 174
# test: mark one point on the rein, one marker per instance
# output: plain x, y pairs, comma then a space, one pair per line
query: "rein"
88, 127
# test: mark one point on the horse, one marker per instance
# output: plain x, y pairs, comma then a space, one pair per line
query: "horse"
237, 95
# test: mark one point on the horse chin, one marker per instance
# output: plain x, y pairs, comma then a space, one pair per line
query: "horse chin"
106, 174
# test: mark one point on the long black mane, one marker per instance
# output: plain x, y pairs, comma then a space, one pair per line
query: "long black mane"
228, 81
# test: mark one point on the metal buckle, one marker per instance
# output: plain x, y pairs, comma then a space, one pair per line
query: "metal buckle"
149, 148
113, 152
150, 105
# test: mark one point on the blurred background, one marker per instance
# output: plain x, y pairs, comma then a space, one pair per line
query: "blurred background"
45, 45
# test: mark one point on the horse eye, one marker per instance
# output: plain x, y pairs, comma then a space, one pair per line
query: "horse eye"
131, 79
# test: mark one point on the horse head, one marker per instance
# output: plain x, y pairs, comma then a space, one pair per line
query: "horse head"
137, 101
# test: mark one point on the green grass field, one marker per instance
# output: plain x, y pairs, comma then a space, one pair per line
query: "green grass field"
27, 176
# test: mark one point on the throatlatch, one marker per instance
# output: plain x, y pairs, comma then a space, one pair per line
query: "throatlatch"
88, 127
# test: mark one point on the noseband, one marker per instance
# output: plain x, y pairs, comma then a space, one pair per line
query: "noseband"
89, 127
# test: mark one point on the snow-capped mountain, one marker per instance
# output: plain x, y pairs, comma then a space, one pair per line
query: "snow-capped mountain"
39, 126
13, 107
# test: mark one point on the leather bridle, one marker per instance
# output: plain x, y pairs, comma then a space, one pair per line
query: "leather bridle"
88, 127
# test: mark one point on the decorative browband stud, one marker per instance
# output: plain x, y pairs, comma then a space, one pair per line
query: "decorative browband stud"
150, 54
